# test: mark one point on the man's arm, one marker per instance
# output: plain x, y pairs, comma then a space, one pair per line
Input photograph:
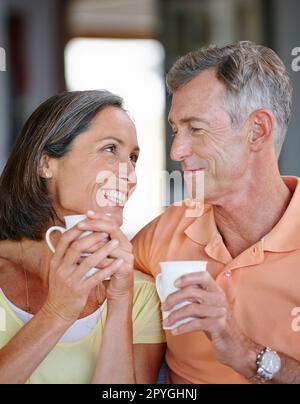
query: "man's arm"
288, 374
213, 315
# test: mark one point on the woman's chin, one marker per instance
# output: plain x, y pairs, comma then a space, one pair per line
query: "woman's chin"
115, 213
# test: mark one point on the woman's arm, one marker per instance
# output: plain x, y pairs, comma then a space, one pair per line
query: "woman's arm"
148, 359
120, 362
25, 352
116, 361
68, 294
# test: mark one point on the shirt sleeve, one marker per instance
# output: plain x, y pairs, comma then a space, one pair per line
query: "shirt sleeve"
143, 244
147, 318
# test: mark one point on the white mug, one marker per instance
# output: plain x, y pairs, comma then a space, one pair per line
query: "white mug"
71, 221
165, 284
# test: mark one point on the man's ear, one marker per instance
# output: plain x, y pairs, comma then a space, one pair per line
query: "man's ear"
262, 126
45, 170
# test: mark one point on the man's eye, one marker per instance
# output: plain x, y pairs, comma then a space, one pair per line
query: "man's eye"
196, 131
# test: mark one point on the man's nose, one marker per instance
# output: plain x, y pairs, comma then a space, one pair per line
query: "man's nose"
181, 148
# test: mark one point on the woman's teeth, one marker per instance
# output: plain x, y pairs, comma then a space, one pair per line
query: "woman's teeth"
116, 197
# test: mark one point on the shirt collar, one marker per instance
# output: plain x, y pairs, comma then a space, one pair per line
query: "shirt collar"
285, 236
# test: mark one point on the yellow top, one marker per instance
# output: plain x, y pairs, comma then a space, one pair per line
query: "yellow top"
75, 363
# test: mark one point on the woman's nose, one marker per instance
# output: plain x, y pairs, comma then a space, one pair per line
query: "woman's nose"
127, 173
181, 148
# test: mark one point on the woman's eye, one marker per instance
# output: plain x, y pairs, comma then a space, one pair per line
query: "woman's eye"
134, 158
110, 149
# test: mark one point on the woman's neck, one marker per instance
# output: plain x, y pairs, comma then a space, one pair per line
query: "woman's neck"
32, 258
27, 255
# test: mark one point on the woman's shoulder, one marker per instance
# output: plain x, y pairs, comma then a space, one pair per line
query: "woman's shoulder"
144, 287
141, 278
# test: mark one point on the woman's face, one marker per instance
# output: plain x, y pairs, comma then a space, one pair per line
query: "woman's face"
99, 171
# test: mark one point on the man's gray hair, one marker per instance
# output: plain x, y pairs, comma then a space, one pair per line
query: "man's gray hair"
255, 77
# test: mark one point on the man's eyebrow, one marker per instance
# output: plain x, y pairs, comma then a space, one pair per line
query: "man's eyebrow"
189, 119
120, 141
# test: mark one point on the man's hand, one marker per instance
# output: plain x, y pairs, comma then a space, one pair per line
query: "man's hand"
213, 315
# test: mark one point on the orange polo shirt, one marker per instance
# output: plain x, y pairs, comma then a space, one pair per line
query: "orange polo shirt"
262, 284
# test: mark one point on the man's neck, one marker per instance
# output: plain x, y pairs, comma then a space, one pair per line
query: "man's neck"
246, 217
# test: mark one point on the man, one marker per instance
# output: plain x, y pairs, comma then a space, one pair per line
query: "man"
230, 112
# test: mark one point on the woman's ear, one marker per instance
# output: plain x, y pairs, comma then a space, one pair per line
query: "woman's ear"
44, 167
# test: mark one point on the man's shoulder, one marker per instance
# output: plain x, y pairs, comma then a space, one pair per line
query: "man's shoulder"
181, 213
169, 225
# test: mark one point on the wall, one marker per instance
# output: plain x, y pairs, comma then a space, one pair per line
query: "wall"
287, 37
41, 44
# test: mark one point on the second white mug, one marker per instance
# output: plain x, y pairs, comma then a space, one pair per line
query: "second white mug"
171, 271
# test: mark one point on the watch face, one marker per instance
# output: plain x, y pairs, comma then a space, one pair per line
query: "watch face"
271, 362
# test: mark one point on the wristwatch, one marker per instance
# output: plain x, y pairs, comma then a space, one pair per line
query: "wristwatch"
268, 365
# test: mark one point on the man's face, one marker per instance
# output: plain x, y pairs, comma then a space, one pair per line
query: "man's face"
204, 138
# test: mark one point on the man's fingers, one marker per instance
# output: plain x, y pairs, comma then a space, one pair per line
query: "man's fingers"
198, 325
196, 311
200, 279
191, 294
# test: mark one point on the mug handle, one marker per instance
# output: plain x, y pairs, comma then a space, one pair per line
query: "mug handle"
159, 287
48, 236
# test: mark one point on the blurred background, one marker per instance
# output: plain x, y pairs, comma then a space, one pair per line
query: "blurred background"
126, 46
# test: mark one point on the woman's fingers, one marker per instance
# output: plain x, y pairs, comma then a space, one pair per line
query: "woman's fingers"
64, 243
103, 274
118, 253
93, 260
79, 247
124, 255
105, 225
99, 245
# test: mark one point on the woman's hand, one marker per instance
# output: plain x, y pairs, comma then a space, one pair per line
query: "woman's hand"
121, 284
69, 288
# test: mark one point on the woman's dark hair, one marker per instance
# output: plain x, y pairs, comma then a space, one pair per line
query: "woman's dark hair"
25, 205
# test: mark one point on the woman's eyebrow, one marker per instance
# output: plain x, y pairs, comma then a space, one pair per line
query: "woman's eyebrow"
120, 141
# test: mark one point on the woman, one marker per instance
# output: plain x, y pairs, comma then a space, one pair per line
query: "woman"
60, 325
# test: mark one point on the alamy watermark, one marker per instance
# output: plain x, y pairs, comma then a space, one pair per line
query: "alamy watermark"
2, 60
296, 60
115, 188
296, 322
